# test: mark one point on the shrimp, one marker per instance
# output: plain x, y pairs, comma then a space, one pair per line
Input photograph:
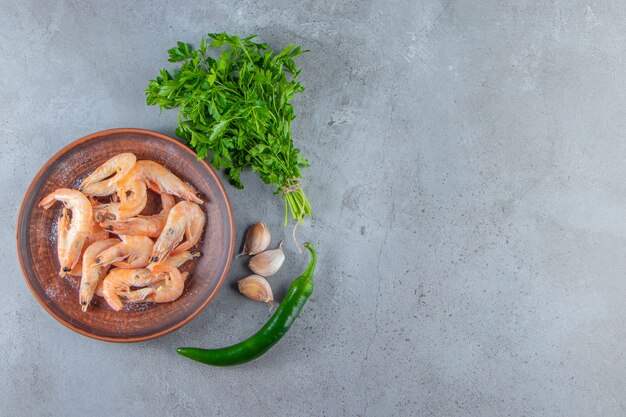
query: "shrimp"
135, 250
163, 291
173, 261
186, 219
79, 226
92, 272
120, 281
150, 171
95, 234
129, 206
103, 181
150, 226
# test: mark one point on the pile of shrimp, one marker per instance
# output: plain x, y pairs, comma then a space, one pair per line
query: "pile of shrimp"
103, 238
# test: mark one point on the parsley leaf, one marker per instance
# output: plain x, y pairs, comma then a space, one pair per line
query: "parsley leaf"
236, 110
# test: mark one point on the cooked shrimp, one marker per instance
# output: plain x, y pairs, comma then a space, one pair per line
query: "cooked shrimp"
186, 219
150, 226
103, 181
167, 182
92, 272
132, 252
164, 291
80, 225
172, 260
95, 234
120, 281
129, 206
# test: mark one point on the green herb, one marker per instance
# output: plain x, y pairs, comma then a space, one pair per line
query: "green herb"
237, 110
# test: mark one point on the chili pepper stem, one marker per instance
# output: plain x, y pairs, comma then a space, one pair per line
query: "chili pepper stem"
308, 273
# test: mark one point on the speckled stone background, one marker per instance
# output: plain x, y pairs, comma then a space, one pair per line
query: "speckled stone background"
467, 180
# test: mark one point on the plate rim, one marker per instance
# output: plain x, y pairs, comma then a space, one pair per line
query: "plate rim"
95, 135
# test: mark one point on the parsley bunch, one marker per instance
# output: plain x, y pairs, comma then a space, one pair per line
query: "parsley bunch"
237, 110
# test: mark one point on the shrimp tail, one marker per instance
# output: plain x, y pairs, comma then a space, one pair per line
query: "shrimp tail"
48, 201
115, 303
192, 196
181, 248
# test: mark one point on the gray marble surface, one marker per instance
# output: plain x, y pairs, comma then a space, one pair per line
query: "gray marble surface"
468, 186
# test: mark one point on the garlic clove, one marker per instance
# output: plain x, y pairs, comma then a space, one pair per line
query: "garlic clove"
258, 239
267, 263
256, 288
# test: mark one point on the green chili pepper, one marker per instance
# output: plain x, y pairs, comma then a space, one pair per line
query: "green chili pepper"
275, 328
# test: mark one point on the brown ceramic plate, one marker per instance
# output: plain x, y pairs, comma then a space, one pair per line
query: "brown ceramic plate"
36, 238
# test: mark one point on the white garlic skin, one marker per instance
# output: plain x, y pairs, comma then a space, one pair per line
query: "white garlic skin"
256, 288
267, 263
258, 239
